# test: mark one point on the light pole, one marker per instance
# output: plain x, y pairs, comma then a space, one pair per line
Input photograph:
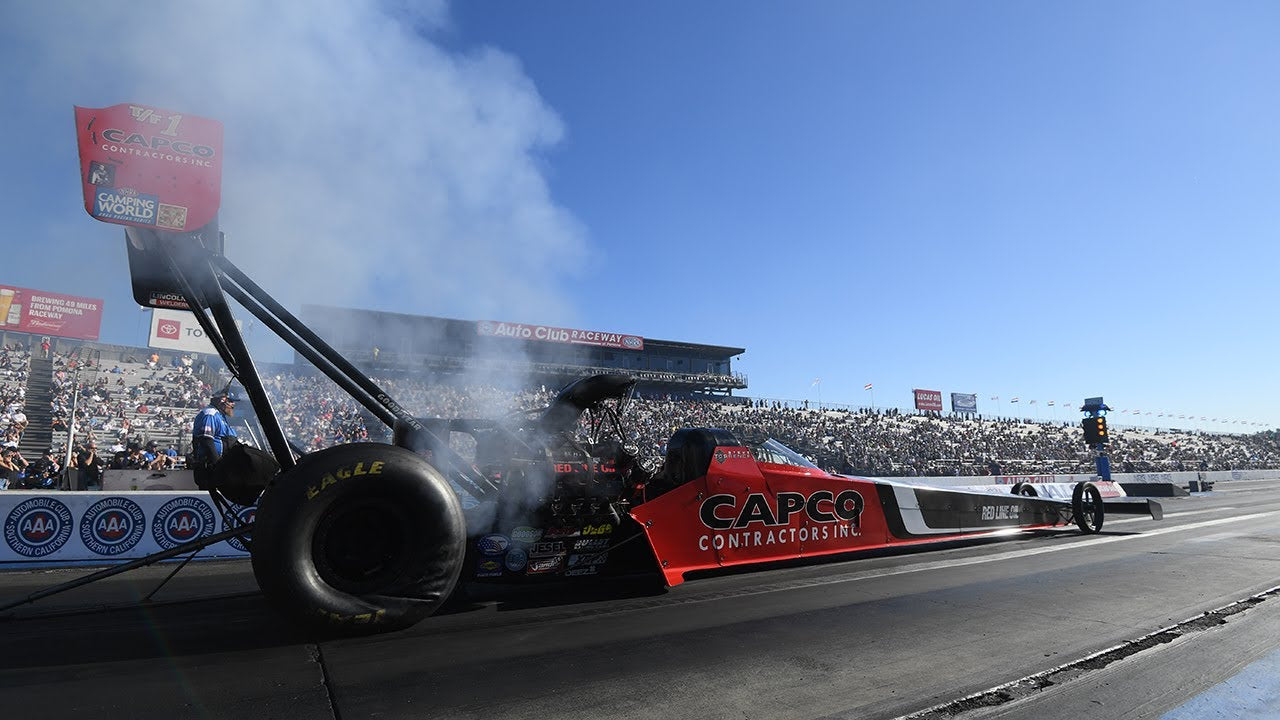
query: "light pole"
146, 334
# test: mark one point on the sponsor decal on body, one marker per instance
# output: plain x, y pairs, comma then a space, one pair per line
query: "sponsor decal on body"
588, 530
527, 535
762, 520
999, 512
547, 548
590, 544
493, 545
489, 568
182, 520
516, 559
112, 526
724, 454
38, 527
577, 561
542, 566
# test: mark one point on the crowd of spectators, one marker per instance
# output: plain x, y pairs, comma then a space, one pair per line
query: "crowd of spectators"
880, 443
13, 389
137, 414
120, 403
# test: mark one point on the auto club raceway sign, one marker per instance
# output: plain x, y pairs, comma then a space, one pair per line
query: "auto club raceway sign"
55, 528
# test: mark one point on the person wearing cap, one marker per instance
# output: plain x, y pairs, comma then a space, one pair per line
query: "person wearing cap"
90, 465
12, 466
134, 458
211, 432
155, 460
44, 472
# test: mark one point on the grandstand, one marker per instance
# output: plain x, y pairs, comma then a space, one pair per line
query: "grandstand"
118, 395
443, 347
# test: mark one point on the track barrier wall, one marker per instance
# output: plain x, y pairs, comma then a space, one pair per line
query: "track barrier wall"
128, 480
55, 528
1158, 478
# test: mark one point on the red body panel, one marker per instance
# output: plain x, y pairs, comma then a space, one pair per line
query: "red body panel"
745, 512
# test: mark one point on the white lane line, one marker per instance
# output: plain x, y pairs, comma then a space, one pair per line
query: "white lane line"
1216, 537
1168, 515
963, 562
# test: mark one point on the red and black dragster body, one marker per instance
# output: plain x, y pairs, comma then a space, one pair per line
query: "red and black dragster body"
361, 537
588, 508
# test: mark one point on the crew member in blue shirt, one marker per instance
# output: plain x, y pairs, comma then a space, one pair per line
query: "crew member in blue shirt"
210, 430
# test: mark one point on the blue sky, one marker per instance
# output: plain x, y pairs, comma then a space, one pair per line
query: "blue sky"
1047, 201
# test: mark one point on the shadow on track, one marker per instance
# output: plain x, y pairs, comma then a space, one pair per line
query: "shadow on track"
506, 598
145, 631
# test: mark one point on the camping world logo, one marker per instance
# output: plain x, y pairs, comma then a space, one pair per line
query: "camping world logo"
181, 520
112, 526
38, 527
244, 515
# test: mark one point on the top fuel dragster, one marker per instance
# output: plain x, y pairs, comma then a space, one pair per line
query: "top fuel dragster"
574, 505
367, 536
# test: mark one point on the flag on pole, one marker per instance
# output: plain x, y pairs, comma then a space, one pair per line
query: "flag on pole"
867, 386
1050, 403
1033, 402
995, 397
1013, 399
816, 381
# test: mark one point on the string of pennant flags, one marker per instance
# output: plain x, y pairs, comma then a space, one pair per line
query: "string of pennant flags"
1135, 413
817, 382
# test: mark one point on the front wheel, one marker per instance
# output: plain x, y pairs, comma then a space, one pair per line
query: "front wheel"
361, 537
1086, 505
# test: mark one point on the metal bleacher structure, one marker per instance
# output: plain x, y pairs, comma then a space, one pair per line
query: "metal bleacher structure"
128, 378
143, 427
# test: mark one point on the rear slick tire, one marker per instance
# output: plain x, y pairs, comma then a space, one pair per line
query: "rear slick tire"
1024, 489
358, 538
1086, 506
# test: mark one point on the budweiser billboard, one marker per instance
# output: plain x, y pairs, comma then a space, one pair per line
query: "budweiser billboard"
45, 313
149, 167
928, 399
519, 331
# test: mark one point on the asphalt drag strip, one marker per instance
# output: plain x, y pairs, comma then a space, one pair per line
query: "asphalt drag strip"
1031, 685
869, 636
